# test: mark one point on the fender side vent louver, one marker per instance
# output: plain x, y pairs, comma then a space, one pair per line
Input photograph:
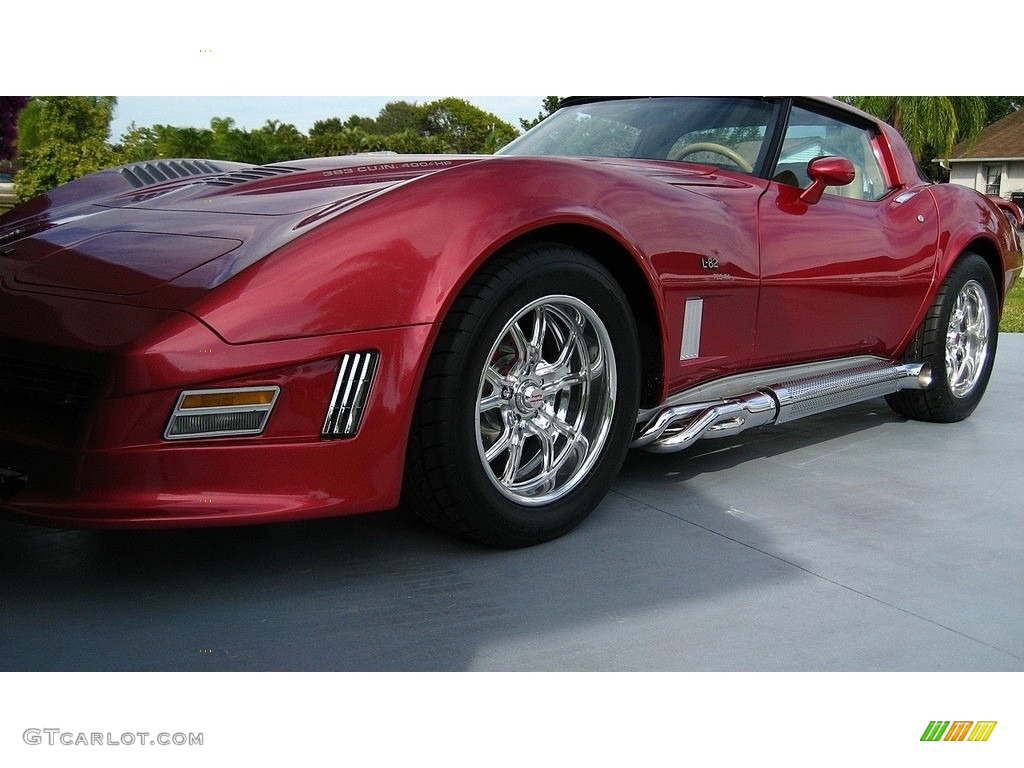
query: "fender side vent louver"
159, 171
252, 174
351, 391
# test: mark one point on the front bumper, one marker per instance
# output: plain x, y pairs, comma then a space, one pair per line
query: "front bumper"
109, 465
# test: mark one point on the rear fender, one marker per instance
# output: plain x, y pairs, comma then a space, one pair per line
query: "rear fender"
982, 227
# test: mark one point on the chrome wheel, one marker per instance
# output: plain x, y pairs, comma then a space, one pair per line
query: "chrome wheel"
545, 400
967, 339
529, 399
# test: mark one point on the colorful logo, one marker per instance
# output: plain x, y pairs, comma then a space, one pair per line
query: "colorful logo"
958, 730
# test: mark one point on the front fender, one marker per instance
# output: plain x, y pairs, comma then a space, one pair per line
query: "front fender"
400, 258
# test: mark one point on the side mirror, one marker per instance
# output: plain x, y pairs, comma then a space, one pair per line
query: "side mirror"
827, 172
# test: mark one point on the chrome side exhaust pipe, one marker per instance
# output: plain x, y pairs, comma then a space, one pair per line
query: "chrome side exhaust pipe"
817, 394
675, 428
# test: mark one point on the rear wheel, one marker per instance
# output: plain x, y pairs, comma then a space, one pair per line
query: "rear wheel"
529, 400
958, 338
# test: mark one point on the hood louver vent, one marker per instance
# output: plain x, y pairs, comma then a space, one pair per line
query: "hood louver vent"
252, 174
159, 171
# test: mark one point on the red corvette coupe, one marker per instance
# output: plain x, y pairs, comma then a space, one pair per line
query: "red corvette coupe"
481, 338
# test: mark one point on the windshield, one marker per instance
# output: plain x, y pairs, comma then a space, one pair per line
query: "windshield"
726, 132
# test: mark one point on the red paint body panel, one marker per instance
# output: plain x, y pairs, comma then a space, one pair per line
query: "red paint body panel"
841, 277
268, 281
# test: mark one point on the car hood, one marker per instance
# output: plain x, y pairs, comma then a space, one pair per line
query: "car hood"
160, 234
135, 230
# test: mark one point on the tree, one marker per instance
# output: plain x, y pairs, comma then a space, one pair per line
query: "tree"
58, 162
10, 108
351, 141
398, 116
347, 141
364, 124
172, 141
64, 118
251, 147
466, 128
61, 138
550, 106
223, 138
998, 107
412, 142
930, 125
322, 127
286, 142
137, 144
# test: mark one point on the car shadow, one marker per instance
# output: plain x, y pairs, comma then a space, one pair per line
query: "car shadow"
384, 592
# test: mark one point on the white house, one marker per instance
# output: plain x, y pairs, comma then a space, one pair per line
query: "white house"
993, 163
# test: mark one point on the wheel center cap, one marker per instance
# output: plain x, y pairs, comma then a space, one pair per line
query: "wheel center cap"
529, 397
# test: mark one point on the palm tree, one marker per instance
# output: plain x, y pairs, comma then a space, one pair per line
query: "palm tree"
172, 141
931, 125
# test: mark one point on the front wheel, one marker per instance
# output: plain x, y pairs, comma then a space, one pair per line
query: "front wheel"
958, 338
529, 400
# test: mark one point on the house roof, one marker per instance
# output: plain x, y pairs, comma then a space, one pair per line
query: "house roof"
1003, 139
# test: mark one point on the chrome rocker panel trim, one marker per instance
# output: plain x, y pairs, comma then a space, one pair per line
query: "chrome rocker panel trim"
738, 403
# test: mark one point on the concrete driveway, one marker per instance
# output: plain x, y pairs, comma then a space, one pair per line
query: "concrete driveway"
849, 541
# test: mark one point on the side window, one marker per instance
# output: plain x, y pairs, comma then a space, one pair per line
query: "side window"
811, 135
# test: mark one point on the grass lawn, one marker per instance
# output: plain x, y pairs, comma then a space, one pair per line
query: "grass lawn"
1013, 313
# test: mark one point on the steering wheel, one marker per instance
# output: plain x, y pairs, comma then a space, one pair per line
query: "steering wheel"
718, 149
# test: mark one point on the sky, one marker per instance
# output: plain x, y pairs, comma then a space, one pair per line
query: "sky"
251, 112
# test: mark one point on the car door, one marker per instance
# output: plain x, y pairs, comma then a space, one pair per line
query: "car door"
846, 274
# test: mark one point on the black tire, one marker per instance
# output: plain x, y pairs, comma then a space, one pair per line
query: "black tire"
529, 400
958, 339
